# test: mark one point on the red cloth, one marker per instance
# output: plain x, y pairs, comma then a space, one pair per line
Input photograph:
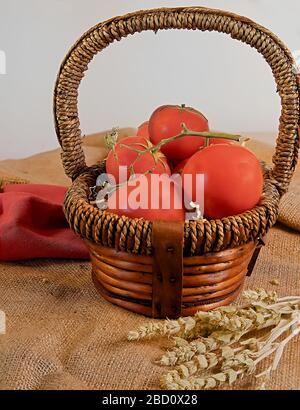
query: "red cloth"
32, 224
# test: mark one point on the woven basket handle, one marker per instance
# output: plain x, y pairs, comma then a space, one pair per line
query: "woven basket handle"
100, 36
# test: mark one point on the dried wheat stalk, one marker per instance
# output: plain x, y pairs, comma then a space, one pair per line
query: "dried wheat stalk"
214, 348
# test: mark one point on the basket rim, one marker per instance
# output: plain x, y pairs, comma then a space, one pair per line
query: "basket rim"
97, 225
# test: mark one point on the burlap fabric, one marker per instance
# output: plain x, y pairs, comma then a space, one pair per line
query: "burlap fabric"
62, 335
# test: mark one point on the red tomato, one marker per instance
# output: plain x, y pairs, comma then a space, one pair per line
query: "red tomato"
177, 167
149, 196
233, 179
165, 122
143, 130
136, 164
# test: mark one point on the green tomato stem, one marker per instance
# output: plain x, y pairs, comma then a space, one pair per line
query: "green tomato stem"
185, 132
131, 148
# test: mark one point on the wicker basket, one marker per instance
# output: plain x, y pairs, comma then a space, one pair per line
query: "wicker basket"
160, 269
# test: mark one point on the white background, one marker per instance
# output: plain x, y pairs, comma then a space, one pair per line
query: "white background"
228, 81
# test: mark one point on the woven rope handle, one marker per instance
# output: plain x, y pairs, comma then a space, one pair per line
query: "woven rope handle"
100, 36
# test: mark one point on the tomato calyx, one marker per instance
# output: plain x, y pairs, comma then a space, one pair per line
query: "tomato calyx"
148, 145
157, 155
111, 138
184, 107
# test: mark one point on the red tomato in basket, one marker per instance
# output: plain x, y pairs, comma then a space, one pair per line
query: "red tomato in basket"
178, 166
149, 196
124, 154
143, 130
165, 122
233, 179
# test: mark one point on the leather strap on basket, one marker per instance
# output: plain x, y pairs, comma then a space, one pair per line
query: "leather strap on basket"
167, 242
260, 243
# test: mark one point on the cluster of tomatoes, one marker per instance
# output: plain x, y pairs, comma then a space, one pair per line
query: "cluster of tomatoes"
177, 140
